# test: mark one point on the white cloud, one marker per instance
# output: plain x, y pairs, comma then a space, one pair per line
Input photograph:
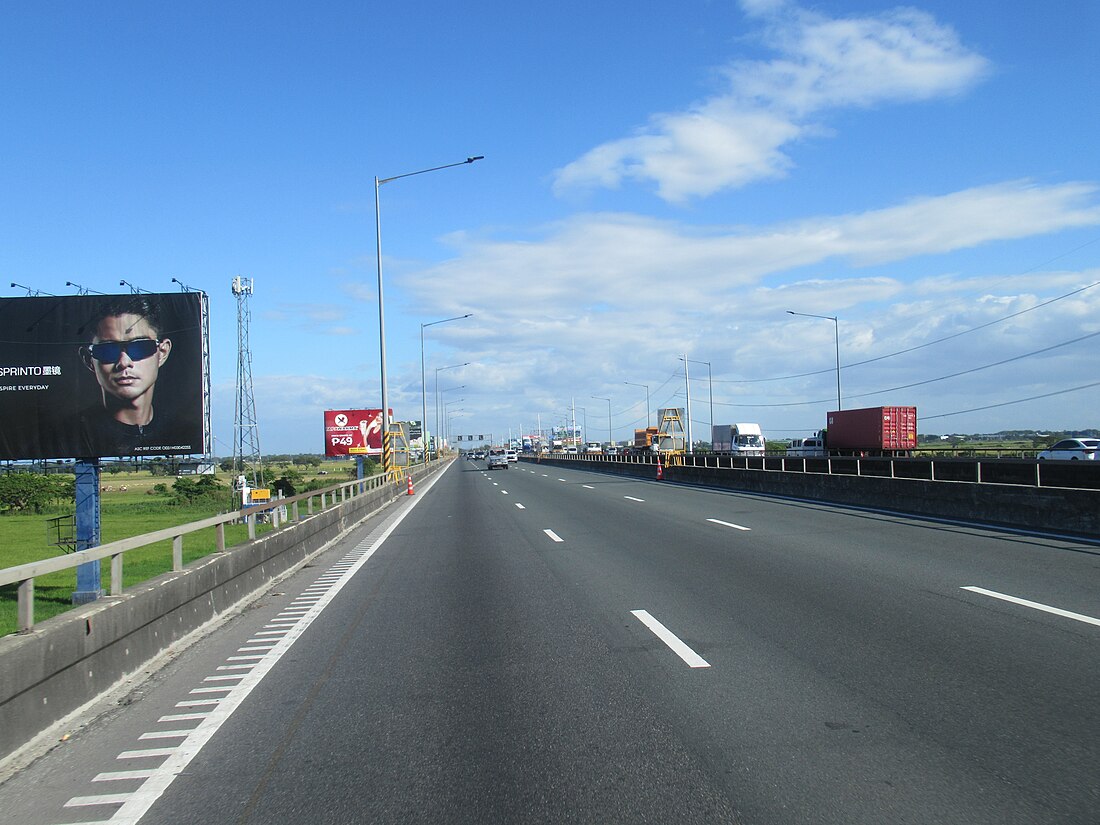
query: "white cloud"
739, 136
607, 298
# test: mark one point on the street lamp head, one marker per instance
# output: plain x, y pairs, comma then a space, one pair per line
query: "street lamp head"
478, 157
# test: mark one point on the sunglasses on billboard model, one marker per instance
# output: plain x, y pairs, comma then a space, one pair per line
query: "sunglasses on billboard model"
108, 352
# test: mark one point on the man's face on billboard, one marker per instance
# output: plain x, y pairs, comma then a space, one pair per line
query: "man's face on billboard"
126, 356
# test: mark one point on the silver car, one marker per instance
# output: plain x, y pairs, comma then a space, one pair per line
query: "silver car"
497, 459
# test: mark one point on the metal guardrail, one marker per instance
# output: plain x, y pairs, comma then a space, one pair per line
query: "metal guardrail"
24, 575
1013, 471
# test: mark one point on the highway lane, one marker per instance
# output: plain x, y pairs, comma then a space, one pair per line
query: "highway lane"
489, 662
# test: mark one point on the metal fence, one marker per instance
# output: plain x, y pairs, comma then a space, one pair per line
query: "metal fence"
277, 510
1015, 471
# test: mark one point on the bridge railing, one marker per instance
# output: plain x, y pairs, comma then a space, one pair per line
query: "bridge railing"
24, 575
1014, 471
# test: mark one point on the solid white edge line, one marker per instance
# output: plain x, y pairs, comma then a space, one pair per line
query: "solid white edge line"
1077, 617
728, 524
690, 657
553, 535
179, 758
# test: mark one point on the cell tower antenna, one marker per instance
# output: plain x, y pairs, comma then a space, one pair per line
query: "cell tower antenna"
246, 431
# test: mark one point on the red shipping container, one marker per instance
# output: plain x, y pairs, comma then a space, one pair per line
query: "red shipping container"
873, 428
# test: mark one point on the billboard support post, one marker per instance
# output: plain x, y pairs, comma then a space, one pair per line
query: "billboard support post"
88, 587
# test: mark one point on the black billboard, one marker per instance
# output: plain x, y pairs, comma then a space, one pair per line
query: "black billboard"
90, 376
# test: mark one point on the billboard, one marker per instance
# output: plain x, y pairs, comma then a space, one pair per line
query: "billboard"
94, 376
353, 432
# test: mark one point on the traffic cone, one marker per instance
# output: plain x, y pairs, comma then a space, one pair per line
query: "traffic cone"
660, 471
410, 486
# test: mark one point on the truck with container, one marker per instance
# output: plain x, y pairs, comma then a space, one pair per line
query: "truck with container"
871, 431
744, 439
645, 440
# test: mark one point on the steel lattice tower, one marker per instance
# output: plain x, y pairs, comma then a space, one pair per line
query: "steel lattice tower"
246, 432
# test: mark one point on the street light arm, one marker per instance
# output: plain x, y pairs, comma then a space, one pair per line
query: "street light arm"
433, 169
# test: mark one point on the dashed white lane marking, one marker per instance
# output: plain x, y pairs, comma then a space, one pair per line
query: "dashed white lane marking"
101, 799
505, 492
588, 487
561, 479
553, 535
689, 656
121, 776
728, 524
632, 498
1046, 608
545, 476
520, 506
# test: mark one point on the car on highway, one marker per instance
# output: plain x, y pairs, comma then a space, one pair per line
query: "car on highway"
513, 456
498, 459
1072, 449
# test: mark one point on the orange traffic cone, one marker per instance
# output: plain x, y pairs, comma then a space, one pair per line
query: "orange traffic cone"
410, 486
660, 471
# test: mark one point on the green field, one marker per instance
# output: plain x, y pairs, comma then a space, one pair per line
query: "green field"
132, 511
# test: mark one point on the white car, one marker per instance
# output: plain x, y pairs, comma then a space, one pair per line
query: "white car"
807, 448
512, 455
1073, 449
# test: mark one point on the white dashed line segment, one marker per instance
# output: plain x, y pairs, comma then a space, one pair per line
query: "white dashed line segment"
728, 524
1066, 614
690, 657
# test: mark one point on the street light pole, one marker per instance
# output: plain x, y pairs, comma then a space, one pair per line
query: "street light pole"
443, 420
710, 388
423, 383
631, 383
836, 323
435, 417
610, 439
386, 459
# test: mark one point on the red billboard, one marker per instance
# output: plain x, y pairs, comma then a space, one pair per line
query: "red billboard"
353, 432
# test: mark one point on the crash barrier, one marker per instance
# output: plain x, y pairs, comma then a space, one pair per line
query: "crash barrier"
54, 668
1043, 496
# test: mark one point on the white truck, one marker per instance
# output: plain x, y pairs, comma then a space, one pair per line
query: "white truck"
737, 439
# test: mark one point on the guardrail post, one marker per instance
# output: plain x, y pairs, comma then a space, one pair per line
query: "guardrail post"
294, 510
309, 506
251, 525
274, 518
26, 604
116, 573
220, 538
322, 501
177, 556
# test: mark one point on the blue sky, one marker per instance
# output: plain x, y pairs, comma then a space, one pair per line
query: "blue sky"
665, 180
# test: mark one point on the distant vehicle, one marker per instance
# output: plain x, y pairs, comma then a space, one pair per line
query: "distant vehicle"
1073, 449
646, 440
807, 447
497, 459
872, 431
593, 447
738, 439
571, 449
512, 455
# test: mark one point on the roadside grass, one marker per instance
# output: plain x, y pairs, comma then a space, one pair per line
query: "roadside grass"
132, 511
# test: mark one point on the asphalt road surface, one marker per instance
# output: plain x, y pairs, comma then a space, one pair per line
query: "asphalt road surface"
555, 645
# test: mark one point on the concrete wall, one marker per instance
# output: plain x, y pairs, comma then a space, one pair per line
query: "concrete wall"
1054, 509
68, 660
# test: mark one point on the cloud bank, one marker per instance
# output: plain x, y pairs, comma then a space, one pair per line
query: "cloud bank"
743, 134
